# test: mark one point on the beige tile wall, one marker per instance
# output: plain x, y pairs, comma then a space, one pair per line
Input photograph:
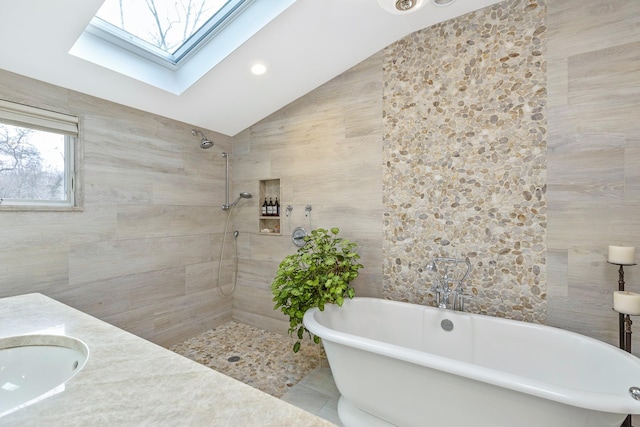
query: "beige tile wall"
143, 254
594, 140
326, 149
593, 167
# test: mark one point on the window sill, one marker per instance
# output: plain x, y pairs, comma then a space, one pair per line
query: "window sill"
17, 208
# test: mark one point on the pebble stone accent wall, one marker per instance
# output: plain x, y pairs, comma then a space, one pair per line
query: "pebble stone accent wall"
464, 164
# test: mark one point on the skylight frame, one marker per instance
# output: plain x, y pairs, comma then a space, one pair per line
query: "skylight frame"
141, 48
195, 65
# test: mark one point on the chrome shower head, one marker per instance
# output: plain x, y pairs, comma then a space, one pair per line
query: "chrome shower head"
205, 142
243, 195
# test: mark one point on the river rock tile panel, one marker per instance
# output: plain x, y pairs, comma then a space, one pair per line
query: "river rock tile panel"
465, 127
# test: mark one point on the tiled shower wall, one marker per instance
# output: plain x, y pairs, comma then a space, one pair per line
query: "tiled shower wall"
465, 158
326, 150
143, 252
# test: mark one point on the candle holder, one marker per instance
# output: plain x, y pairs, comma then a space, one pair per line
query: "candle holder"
624, 321
624, 326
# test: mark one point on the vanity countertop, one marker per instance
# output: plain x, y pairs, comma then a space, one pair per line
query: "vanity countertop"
128, 381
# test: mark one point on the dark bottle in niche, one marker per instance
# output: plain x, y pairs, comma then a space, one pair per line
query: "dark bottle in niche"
270, 207
264, 207
276, 208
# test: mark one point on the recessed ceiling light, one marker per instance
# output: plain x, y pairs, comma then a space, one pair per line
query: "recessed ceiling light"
258, 69
401, 6
405, 5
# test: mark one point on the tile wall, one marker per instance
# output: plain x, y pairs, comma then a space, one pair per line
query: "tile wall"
327, 152
593, 160
143, 253
590, 159
465, 158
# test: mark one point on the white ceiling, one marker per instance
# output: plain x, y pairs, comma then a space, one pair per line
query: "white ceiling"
307, 45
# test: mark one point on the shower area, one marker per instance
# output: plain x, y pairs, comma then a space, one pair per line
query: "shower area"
323, 151
228, 207
254, 355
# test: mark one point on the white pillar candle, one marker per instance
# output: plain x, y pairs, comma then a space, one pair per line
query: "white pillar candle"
626, 302
622, 255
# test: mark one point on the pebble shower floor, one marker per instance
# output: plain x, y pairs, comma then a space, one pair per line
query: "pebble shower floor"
259, 358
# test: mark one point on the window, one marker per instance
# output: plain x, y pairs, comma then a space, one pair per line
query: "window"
171, 44
168, 30
37, 157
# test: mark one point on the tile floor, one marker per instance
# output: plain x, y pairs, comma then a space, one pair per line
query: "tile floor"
316, 393
260, 358
264, 360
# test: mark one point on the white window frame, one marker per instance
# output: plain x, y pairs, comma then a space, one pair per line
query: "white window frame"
208, 53
28, 117
144, 49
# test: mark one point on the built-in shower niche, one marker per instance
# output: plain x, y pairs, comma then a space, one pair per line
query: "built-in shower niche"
269, 224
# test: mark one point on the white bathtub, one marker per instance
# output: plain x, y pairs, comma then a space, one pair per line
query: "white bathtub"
394, 364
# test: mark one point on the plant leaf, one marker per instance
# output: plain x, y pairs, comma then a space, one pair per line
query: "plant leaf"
318, 273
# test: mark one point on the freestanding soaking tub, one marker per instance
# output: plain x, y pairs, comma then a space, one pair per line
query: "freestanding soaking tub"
404, 364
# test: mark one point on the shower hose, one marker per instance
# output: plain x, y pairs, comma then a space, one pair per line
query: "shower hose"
224, 237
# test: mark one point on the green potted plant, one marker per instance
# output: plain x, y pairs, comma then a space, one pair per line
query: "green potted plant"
318, 273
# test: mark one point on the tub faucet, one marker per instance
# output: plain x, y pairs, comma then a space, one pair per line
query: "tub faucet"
445, 293
441, 285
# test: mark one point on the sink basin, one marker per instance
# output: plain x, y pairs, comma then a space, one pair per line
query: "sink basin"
34, 367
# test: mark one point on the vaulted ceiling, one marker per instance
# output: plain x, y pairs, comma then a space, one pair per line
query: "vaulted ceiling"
311, 42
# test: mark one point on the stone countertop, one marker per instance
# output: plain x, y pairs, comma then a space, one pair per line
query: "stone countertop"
128, 381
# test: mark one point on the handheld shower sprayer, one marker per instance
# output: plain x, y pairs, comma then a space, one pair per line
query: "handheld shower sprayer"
204, 142
243, 195
229, 208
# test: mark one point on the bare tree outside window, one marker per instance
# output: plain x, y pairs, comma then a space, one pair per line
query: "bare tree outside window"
166, 24
31, 164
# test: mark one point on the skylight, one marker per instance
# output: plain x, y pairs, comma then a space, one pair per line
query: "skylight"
171, 44
168, 29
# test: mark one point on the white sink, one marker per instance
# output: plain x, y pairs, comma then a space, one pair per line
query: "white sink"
34, 367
